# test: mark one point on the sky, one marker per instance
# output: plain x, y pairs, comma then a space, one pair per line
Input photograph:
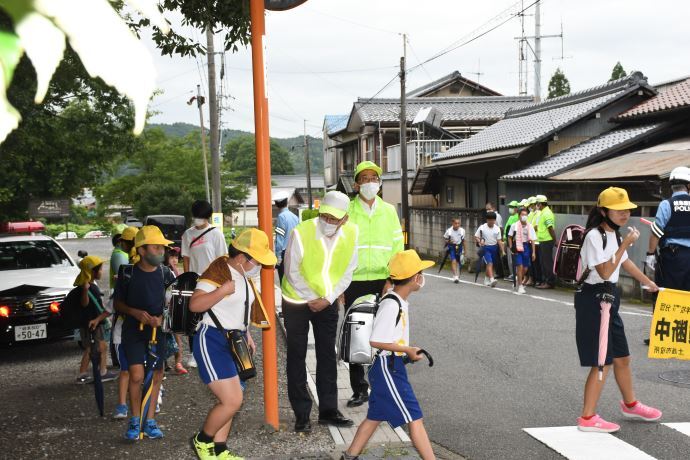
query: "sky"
324, 54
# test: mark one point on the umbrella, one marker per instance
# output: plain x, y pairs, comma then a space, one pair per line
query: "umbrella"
606, 299
151, 362
445, 258
96, 365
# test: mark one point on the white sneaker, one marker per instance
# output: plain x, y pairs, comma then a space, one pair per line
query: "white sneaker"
521, 290
456, 279
191, 362
487, 281
493, 282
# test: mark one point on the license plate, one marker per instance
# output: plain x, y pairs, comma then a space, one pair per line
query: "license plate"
30, 332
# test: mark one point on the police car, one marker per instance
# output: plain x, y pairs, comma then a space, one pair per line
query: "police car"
36, 273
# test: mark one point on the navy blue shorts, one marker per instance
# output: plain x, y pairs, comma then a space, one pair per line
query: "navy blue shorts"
392, 399
136, 347
587, 323
524, 258
455, 251
122, 357
491, 255
212, 355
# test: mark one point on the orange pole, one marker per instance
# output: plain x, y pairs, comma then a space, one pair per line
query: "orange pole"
263, 184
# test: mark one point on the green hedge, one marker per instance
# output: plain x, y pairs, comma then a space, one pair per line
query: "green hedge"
81, 230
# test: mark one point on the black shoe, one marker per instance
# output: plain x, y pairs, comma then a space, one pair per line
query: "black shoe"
358, 399
646, 341
335, 418
303, 425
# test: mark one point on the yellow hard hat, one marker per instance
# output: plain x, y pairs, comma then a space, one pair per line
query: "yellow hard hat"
150, 234
255, 243
615, 198
406, 264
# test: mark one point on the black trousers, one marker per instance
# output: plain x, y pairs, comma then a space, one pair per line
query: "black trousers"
357, 289
546, 259
325, 325
673, 270
535, 268
281, 267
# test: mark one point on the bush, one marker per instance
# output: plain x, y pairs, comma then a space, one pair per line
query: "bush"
309, 214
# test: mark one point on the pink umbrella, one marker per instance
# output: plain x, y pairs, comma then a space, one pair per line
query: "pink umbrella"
606, 301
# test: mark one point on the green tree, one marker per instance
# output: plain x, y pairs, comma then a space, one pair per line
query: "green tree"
618, 72
558, 85
240, 157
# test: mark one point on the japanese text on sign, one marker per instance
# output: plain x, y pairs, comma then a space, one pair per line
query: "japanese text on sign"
669, 331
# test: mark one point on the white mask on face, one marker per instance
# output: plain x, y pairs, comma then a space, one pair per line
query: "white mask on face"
421, 284
255, 270
523, 218
511, 211
328, 229
369, 190
198, 222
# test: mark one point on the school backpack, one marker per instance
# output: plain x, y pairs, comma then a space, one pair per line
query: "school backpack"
72, 314
568, 262
124, 276
355, 330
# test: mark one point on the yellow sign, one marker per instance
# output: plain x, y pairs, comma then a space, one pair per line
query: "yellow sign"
217, 220
669, 332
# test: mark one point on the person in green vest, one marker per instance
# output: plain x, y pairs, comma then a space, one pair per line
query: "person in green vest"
513, 216
546, 235
380, 238
319, 262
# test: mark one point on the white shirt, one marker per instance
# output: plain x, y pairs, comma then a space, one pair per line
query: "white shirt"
206, 249
230, 309
455, 236
385, 330
369, 209
490, 235
528, 233
293, 259
592, 255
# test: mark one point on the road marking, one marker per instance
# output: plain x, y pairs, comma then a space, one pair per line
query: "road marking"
682, 427
574, 444
536, 297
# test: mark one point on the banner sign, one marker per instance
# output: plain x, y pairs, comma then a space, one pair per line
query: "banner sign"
669, 331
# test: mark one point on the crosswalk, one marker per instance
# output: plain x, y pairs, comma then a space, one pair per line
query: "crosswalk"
577, 445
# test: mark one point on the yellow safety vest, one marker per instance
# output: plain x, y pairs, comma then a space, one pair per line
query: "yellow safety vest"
380, 238
320, 267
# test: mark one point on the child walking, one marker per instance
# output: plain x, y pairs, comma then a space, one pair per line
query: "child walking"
455, 240
521, 238
392, 399
490, 239
603, 254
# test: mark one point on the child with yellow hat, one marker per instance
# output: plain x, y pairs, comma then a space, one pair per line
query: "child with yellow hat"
392, 399
603, 254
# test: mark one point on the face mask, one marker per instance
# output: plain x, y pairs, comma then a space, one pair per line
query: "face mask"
198, 222
523, 218
328, 229
421, 284
255, 270
154, 259
511, 211
369, 190
611, 223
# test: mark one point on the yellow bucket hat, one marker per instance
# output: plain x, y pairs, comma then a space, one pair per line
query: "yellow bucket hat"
615, 198
150, 234
364, 165
87, 264
129, 233
406, 264
255, 243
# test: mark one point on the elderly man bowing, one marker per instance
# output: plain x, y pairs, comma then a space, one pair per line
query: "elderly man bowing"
320, 259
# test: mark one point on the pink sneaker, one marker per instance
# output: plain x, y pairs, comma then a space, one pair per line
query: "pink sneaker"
596, 424
641, 412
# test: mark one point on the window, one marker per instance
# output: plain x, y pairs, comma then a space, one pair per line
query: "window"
450, 194
20, 255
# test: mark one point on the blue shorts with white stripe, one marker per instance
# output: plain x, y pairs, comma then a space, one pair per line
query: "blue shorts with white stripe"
392, 399
212, 355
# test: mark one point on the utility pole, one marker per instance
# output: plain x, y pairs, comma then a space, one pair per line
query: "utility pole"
199, 103
403, 145
213, 121
306, 158
537, 51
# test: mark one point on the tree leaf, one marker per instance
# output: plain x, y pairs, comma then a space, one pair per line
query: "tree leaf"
10, 52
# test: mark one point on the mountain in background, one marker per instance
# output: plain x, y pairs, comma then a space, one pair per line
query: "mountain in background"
294, 145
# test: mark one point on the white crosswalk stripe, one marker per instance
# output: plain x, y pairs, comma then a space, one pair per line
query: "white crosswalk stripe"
682, 427
578, 445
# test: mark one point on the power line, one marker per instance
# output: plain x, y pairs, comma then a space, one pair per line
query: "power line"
409, 42
359, 24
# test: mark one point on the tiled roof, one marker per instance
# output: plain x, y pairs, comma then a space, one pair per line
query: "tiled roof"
335, 123
671, 98
584, 152
455, 75
528, 124
472, 108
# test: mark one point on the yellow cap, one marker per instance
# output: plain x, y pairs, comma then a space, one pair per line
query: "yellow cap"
150, 234
87, 264
406, 264
615, 198
255, 243
129, 233
364, 165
